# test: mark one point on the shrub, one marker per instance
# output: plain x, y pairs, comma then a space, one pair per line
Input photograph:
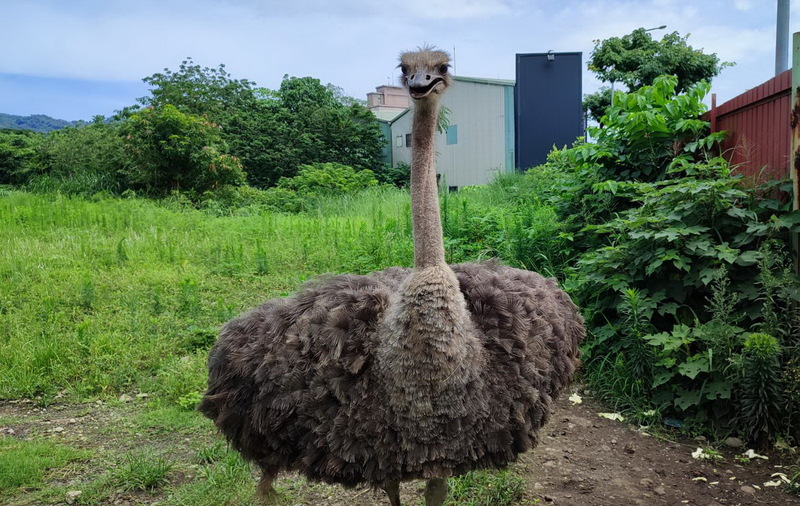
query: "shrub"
85, 159
170, 150
678, 264
399, 175
760, 400
328, 178
17, 153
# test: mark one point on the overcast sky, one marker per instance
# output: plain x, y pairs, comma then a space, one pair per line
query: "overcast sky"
73, 59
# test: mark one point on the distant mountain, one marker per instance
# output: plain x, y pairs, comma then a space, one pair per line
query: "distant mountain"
35, 122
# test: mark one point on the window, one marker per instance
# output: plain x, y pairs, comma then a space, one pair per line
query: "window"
408, 140
452, 134
452, 189
399, 141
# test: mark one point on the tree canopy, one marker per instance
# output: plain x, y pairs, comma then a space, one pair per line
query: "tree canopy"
172, 150
636, 60
273, 133
202, 91
199, 129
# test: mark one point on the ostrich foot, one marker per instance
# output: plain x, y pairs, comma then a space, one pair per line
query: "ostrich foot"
266, 492
435, 492
393, 491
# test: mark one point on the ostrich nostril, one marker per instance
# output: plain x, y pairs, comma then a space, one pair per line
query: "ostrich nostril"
428, 77
412, 77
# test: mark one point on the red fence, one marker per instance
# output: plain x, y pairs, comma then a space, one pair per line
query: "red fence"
759, 130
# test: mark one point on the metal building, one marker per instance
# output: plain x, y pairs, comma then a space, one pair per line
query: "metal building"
479, 141
548, 104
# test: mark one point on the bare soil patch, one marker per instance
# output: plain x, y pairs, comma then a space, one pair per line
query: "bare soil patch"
588, 460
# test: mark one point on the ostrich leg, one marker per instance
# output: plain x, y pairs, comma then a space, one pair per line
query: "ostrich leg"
393, 491
266, 492
435, 492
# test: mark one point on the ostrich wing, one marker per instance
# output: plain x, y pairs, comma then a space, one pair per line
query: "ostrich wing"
530, 330
291, 383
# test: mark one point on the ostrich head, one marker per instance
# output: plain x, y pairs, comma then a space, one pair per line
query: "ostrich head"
425, 72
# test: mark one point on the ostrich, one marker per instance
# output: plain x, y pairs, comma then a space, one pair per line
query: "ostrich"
402, 374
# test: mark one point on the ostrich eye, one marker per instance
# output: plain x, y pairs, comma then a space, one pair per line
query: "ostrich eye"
404, 69
443, 69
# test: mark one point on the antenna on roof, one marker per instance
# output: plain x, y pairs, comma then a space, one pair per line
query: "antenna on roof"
454, 59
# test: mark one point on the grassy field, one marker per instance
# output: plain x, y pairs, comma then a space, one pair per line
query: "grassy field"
108, 308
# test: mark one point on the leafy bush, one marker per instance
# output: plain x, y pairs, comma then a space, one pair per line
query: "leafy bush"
328, 178
399, 175
760, 391
171, 150
677, 265
297, 194
17, 152
84, 159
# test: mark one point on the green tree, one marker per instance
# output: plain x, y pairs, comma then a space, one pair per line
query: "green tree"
272, 133
17, 153
172, 150
202, 91
303, 123
636, 60
90, 156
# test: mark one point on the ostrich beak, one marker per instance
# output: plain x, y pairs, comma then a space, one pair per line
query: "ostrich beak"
420, 84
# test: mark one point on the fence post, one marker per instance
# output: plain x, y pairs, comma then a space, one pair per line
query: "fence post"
795, 122
712, 113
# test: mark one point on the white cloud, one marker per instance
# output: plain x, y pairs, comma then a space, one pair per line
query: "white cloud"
448, 9
354, 43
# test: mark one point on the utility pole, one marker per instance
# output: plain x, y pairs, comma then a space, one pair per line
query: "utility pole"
782, 37
794, 159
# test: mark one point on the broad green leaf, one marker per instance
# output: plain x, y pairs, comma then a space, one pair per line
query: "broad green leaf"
662, 377
694, 366
748, 258
718, 390
687, 399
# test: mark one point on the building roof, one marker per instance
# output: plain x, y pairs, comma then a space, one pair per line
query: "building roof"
388, 116
481, 80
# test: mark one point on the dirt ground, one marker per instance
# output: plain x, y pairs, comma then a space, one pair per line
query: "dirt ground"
583, 460
588, 460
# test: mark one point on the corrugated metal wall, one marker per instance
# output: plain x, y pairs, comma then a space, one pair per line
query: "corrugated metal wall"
479, 111
759, 131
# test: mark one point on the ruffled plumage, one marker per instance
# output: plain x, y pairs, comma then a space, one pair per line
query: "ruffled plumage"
306, 382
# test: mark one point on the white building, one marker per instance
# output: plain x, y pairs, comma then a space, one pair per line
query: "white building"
479, 141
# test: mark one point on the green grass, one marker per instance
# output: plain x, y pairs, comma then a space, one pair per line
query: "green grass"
485, 488
142, 471
109, 296
26, 463
100, 297
226, 479
105, 296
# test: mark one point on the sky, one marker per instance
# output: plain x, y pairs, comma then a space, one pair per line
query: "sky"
74, 59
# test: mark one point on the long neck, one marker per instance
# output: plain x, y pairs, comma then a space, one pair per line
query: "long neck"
426, 220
